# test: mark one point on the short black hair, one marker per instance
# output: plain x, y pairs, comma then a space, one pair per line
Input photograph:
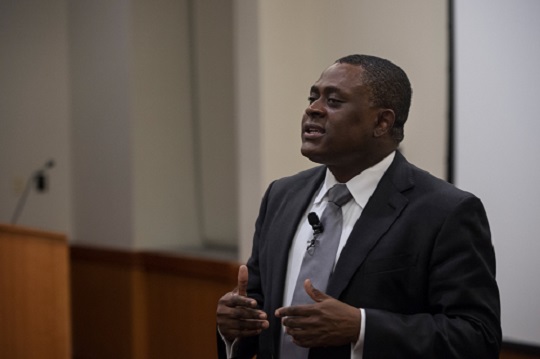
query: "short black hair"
389, 86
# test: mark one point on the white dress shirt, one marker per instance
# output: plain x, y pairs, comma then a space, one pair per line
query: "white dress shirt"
361, 187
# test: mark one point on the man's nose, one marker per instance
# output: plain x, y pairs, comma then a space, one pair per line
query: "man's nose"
315, 109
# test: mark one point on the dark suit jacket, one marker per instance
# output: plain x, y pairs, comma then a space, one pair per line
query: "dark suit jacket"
419, 261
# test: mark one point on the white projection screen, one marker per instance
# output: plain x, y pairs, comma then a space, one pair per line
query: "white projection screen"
497, 143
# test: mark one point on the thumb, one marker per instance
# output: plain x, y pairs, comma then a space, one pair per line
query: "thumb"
313, 292
242, 280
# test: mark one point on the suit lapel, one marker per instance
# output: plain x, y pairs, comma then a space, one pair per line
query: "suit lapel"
289, 213
381, 211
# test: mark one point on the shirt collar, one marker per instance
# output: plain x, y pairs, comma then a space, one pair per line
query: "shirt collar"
361, 186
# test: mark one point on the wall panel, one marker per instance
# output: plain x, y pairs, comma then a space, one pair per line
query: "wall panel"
34, 294
142, 305
146, 305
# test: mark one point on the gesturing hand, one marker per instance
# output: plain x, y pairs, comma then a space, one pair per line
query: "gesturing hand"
237, 315
327, 322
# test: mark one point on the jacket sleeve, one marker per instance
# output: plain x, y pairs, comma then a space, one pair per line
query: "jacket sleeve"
463, 316
248, 347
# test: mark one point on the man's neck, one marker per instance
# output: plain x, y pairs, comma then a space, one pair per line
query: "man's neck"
344, 173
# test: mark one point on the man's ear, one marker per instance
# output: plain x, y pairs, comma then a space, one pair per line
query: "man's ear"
385, 122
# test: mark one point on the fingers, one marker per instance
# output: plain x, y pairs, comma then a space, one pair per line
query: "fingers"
233, 300
238, 317
232, 328
240, 314
240, 321
242, 280
327, 322
313, 292
302, 329
303, 310
295, 311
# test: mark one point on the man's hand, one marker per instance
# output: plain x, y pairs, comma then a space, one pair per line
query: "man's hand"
237, 315
327, 322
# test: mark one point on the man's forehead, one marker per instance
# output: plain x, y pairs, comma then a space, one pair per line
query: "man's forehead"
341, 75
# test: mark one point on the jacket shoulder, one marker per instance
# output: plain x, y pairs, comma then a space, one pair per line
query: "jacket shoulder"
304, 178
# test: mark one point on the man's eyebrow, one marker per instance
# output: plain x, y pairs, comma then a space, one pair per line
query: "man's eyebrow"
327, 90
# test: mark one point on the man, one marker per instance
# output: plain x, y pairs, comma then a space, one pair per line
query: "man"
414, 272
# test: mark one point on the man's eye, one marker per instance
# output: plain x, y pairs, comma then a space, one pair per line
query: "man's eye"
334, 101
311, 99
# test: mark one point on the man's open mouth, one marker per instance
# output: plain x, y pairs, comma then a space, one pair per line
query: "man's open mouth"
314, 129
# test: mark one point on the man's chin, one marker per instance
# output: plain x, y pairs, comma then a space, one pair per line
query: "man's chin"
313, 156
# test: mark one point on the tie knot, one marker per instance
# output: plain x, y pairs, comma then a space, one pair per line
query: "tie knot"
339, 194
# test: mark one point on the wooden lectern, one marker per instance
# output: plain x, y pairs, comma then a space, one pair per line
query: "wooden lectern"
34, 294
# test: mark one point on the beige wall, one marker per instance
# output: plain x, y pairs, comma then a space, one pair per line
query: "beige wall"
171, 118
213, 57
34, 110
163, 131
133, 154
296, 40
301, 38
101, 122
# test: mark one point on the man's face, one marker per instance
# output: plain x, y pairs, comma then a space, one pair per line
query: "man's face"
338, 125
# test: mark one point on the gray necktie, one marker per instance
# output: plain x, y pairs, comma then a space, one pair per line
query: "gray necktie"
318, 261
